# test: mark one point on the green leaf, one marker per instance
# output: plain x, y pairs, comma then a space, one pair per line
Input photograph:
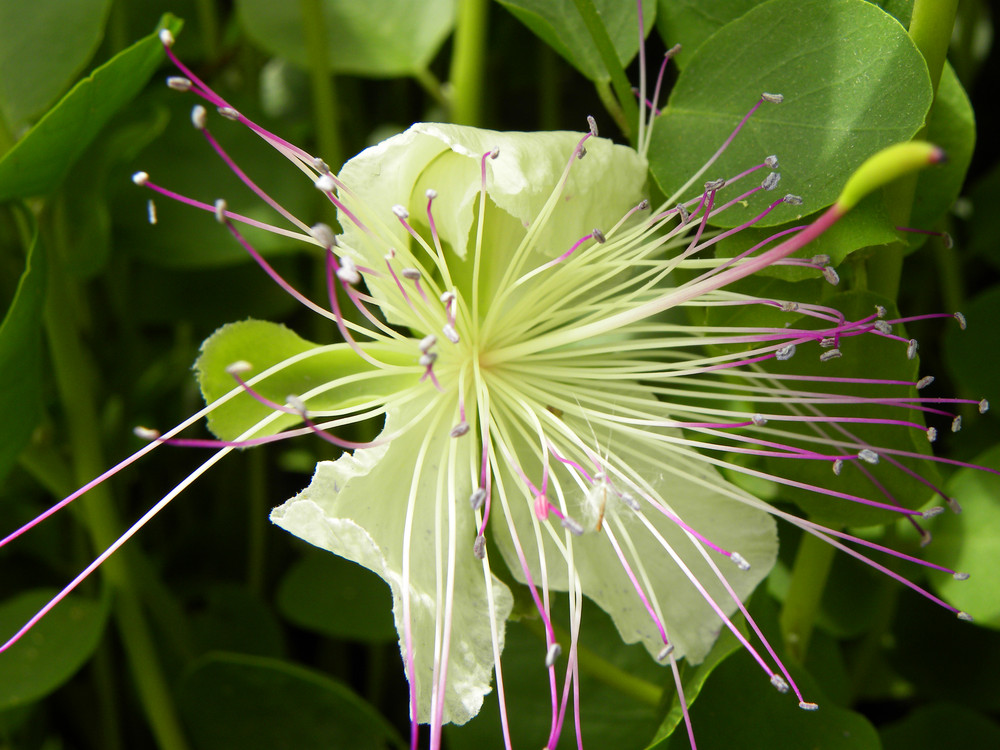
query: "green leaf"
611, 715
559, 24
43, 46
952, 126
839, 107
973, 355
21, 355
239, 702
375, 38
264, 345
330, 595
52, 651
943, 724
968, 541
691, 22
40, 160
694, 680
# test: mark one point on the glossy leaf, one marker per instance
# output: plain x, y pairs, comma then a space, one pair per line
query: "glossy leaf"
376, 38
330, 595
560, 25
943, 724
40, 160
690, 22
52, 651
838, 109
43, 47
238, 702
21, 355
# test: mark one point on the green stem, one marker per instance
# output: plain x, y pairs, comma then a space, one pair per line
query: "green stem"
619, 81
73, 372
430, 84
805, 593
603, 670
321, 80
468, 63
930, 29
209, 24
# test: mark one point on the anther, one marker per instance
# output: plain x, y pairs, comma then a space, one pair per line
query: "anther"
964, 616
961, 320
450, 333
771, 181
427, 359
348, 272
828, 342
741, 562
785, 353
911, 348
321, 166
715, 185
323, 234
599, 237
199, 116
412, 274
931, 434
447, 298
947, 240
166, 38
431, 194
297, 404
572, 525
880, 311
683, 213
479, 547
140, 178
820, 260
229, 113
400, 211
427, 342
953, 505
868, 456
758, 420
832, 354
807, 706
838, 466
792, 200
593, 125
831, 275
495, 153
773, 98
958, 576
554, 652
780, 683
956, 423
984, 406
771, 162
325, 183
789, 306
477, 498
630, 501
581, 152
931, 512
151, 211
179, 83
462, 428
145, 433
238, 367
665, 653
220, 210
643, 205
883, 326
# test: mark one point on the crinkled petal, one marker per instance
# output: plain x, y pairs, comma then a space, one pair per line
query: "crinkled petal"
356, 507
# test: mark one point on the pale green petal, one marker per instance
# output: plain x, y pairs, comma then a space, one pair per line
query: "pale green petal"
601, 188
691, 624
356, 507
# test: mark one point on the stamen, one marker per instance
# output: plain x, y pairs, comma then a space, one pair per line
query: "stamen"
771, 162
462, 428
741, 562
477, 498
479, 547
831, 275
199, 116
807, 706
179, 83
151, 211
348, 272
450, 333
831, 354
220, 210
785, 353
780, 683
552, 655
664, 653
961, 320
325, 183
593, 125
984, 406
868, 456
771, 181
230, 113
140, 178
427, 342
773, 98
956, 423
911, 348
166, 38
